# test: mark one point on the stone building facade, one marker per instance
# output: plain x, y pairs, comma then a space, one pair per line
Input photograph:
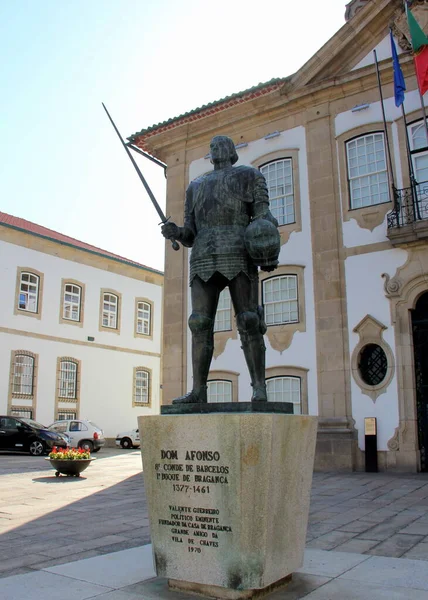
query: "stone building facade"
347, 301
80, 330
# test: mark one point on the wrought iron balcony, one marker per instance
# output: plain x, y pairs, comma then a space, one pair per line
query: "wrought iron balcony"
408, 221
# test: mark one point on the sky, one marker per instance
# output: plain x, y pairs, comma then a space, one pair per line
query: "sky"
61, 163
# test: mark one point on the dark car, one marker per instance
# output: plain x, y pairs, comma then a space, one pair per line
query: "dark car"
28, 436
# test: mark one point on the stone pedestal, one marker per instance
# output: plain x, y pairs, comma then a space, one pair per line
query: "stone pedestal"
228, 498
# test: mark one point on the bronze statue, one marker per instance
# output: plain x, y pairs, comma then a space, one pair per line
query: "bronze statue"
231, 231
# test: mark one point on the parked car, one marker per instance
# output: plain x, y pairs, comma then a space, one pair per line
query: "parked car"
26, 435
128, 439
83, 434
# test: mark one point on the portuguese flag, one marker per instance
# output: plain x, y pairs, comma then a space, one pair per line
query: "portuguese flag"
420, 51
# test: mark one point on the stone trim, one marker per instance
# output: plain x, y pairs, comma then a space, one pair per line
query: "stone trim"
27, 313
90, 258
367, 217
293, 153
232, 376
67, 403
31, 398
281, 336
118, 295
134, 379
145, 336
370, 331
62, 319
413, 276
53, 338
411, 118
292, 371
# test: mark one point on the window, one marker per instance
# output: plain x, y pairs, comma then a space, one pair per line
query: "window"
285, 389
280, 300
71, 302
26, 413
419, 147
22, 375
64, 416
223, 318
110, 305
279, 179
219, 391
28, 298
143, 318
141, 386
367, 174
372, 364
67, 387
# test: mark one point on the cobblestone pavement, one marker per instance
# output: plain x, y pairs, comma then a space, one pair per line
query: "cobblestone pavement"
47, 521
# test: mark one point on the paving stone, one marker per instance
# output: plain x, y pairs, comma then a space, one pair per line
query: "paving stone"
390, 572
329, 564
417, 528
35, 585
356, 526
420, 551
115, 570
396, 545
22, 560
330, 540
342, 590
356, 545
387, 528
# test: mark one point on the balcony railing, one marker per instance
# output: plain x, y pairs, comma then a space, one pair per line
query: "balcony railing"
411, 206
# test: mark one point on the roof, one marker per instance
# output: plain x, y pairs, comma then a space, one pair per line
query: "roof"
208, 109
55, 236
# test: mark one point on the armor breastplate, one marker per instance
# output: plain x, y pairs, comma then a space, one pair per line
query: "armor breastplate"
221, 211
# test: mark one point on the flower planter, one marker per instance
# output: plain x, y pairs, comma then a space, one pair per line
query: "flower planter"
71, 468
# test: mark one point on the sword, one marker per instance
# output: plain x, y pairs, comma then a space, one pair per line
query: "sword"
164, 220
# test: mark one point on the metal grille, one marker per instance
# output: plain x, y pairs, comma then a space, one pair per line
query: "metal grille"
21, 412
411, 205
67, 379
141, 389
373, 364
23, 375
66, 415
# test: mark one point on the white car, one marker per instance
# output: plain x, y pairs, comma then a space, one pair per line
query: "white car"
128, 439
83, 434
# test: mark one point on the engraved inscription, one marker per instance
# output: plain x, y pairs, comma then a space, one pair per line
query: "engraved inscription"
193, 474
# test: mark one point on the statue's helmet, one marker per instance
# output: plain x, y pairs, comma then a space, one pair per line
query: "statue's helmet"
263, 242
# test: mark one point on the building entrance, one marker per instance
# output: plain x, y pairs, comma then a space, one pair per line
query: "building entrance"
420, 347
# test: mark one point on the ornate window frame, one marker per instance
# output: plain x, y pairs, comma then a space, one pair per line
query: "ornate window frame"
281, 336
40, 276
111, 292
367, 217
67, 404
146, 336
370, 331
293, 371
135, 403
293, 154
63, 319
23, 401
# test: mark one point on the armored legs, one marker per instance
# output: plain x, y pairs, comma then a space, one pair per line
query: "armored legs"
251, 326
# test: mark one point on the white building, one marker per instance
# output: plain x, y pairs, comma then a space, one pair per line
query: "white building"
80, 330
347, 309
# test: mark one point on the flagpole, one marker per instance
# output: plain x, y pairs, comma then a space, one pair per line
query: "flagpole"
412, 177
424, 113
390, 171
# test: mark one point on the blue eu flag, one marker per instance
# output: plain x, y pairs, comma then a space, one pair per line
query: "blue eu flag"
399, 85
